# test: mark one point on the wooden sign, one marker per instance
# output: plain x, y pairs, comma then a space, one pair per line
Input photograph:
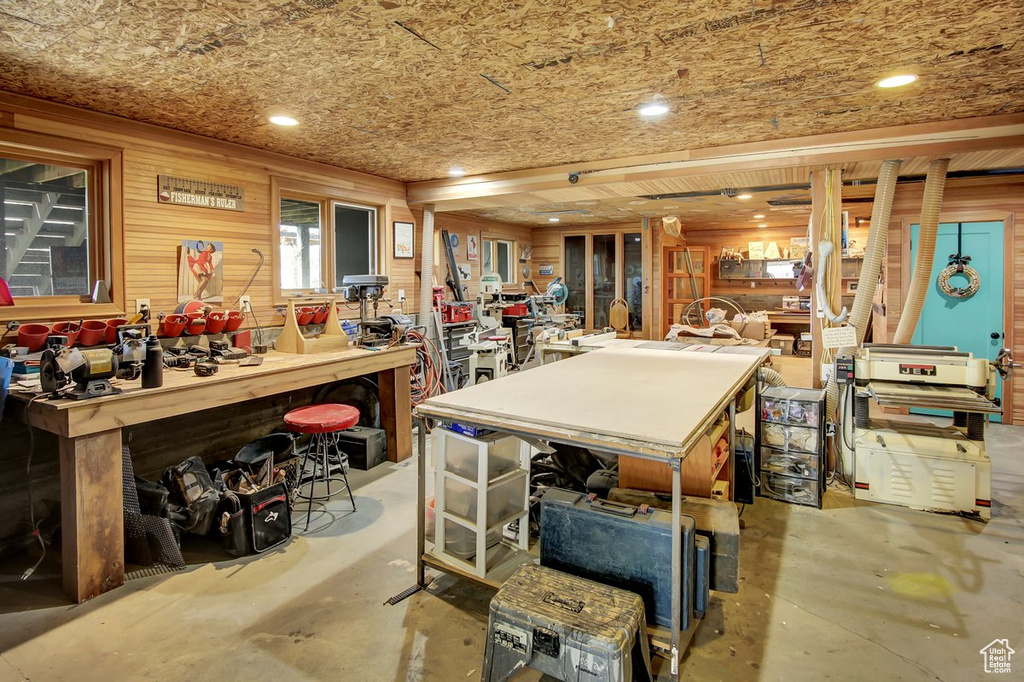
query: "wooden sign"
186, 192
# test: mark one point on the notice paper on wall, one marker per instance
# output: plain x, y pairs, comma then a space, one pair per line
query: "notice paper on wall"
839, 337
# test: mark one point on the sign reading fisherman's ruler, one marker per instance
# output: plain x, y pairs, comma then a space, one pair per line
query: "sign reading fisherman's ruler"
185, 192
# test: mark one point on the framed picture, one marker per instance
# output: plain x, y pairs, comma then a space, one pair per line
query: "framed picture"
851, 286
472, 247
404, 240
201, 271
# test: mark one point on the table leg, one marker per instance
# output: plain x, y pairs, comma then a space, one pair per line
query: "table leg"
396, 411
677, 568
92, 514
421, 499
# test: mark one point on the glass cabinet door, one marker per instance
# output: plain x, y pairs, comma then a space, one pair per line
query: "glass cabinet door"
576, 274
632, 279
604, 278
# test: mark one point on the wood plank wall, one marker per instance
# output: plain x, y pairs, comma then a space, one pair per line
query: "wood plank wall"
152, 234
463, 226
154, 231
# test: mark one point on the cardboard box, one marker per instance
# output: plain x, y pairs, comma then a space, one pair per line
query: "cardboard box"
783, 343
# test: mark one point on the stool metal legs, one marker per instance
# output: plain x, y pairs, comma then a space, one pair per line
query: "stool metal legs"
323, 451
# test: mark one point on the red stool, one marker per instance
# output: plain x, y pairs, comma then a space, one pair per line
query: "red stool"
324, 423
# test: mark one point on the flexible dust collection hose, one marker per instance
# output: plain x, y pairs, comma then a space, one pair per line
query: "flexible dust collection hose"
771, 377
920, 282
874, 256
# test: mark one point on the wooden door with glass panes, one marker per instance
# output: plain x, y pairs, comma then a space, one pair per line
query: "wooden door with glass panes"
682, 284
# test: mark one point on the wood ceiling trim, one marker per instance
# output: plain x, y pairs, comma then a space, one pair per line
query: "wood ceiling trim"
944, 137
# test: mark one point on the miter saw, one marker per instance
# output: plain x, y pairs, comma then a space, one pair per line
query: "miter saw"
545, 308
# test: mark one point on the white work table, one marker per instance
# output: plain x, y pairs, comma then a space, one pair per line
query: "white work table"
635, 398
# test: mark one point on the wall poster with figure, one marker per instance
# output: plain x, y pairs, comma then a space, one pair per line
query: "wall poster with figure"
201, 271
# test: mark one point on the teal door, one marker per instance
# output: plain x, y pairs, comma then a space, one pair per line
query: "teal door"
967, 323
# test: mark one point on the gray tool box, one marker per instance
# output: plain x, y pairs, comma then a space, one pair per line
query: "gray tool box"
717, 520
366, 447
566, 627
619, 545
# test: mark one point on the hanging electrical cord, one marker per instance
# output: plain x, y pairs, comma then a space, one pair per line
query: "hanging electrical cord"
31, 501
427, 377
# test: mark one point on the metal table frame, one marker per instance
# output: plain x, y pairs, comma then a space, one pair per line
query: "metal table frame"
677, 482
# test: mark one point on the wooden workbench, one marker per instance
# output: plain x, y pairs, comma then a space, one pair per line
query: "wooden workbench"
635, 398
89, 435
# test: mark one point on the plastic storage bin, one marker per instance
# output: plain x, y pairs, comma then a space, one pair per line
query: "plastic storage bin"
791, 489
461, 541
791, 444
463, 453
789, 438
800, 464
504, 498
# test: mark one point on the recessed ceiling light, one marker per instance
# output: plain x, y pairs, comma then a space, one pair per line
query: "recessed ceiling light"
758, 216
456, 172
653, 109
744, 196
282, 120
763, 225
897, 81
553, 220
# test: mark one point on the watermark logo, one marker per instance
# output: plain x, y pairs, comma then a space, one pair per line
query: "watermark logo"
997, 656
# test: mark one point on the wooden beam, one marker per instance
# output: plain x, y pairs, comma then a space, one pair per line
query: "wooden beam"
396, 411
826, 225
92, 514
946, 137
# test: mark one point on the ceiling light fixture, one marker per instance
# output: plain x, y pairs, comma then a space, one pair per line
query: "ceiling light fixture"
759, 216
282, 120
553, 220
897, 81
455, 172
653, 109
763, 225
744, 196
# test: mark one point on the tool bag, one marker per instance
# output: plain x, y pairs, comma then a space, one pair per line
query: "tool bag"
190, 485
255, 521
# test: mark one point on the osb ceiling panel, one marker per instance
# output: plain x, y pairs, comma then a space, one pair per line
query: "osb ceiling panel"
407, 88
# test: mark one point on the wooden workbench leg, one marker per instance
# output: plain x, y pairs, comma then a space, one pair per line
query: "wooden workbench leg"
92, 514
396, 411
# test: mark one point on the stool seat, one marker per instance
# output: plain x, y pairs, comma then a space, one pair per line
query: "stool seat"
325, 418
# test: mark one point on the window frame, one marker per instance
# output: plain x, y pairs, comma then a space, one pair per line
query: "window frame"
104, 200
491, 243
327, 197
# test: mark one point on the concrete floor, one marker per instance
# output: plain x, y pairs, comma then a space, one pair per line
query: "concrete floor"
855, 591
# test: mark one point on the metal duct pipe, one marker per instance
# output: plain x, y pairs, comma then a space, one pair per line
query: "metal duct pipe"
931, 207
426, 272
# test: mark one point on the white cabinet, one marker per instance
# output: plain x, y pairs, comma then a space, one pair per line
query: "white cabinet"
481, 485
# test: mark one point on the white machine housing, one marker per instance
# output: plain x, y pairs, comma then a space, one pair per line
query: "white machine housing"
917, 464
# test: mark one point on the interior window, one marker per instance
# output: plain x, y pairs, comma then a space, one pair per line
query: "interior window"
45, 240
355, 238
322, 240
300, 238
498, 258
